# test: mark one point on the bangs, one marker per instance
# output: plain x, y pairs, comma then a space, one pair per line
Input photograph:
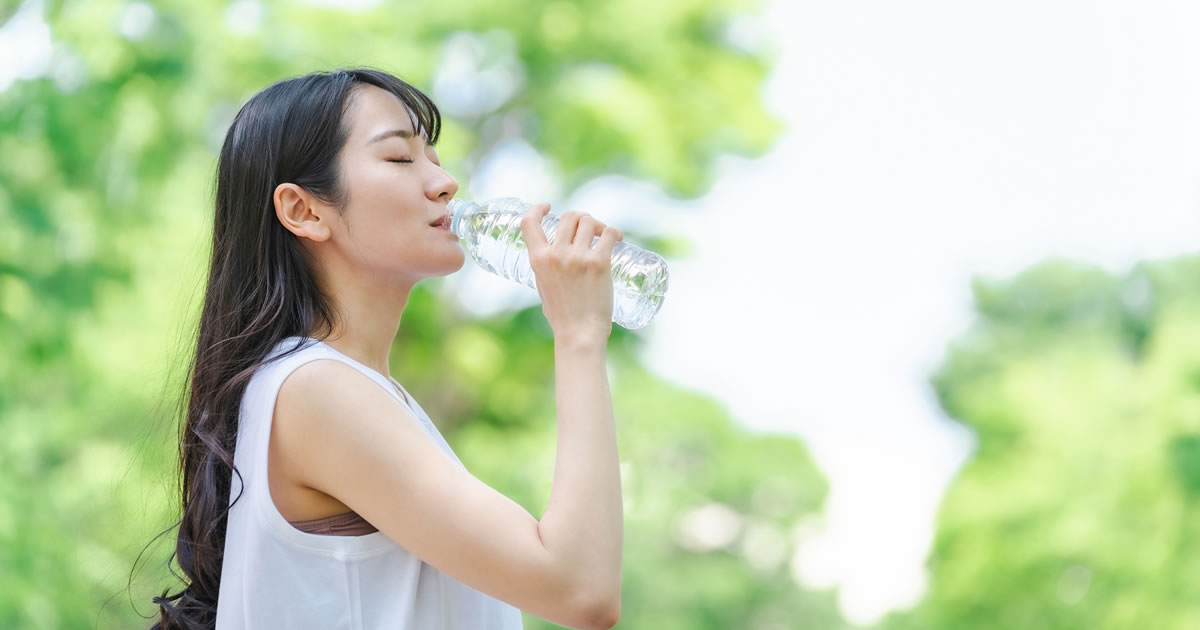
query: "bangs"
427, 120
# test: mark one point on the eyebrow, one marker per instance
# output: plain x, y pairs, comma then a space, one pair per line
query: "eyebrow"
392, 133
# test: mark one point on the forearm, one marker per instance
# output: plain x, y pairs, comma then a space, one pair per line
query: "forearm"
583, 524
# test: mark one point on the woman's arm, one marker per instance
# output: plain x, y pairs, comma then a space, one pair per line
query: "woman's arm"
345, 436
583, 523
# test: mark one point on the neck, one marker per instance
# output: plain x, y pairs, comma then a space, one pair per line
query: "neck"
368, 317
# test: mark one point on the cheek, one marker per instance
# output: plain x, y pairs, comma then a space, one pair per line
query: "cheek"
372, 204
367, 185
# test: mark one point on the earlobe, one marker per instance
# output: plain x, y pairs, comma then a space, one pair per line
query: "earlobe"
297, 210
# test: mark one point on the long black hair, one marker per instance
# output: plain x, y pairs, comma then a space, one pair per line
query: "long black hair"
262, 288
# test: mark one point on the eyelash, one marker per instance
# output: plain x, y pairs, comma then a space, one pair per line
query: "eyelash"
404, 161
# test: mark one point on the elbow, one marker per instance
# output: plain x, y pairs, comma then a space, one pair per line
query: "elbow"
596, 602
604, 614
613, 616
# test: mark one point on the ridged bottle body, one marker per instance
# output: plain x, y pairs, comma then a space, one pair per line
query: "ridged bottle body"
491, 232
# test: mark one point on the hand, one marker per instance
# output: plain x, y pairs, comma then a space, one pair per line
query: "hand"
574, 279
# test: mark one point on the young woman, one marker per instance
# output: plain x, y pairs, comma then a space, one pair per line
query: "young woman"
316, 492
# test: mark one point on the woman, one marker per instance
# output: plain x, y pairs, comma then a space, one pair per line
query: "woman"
316, 492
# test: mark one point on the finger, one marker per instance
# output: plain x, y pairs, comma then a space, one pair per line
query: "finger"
600, 227
566, 229
531, 226
608, 238
587, 230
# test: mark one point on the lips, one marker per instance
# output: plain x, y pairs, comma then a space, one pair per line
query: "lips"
442, 221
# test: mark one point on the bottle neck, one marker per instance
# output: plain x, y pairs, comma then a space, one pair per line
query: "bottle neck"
458, 209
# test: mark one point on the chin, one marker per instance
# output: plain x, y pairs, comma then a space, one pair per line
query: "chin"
454, 264
434, 266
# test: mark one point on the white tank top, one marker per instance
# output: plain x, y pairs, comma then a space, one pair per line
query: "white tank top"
277, 576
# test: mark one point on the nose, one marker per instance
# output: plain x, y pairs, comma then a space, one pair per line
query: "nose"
441, 185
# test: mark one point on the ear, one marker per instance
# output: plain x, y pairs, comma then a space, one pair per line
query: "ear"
301, 213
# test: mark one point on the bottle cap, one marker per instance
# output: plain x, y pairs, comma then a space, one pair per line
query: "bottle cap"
456, 208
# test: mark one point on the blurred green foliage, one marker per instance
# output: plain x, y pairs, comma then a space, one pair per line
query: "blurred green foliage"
1078, 509
106, 165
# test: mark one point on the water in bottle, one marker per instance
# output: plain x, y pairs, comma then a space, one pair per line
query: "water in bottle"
493, 237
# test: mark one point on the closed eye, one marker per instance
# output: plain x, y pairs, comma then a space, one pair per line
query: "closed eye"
402, 161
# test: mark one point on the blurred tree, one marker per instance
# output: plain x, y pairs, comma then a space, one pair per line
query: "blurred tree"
1079, 507
105, 198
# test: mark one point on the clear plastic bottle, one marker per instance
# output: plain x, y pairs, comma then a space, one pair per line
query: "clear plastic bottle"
493, 237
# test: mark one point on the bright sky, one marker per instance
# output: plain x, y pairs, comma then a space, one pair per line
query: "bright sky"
928, 141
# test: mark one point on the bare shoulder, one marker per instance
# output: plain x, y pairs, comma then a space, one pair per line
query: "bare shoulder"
321, 383
328, 409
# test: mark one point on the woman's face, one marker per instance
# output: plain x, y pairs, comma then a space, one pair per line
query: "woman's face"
395, 189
